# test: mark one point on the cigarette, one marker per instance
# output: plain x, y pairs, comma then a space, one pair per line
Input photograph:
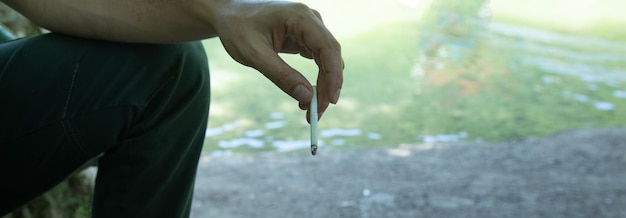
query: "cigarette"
313, 118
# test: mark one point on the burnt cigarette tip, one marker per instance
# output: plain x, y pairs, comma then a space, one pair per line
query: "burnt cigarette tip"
313, 149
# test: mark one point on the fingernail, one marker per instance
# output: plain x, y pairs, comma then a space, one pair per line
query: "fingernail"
303, 106
301, 93
335, 97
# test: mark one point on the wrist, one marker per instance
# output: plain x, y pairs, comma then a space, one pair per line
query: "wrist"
213, 12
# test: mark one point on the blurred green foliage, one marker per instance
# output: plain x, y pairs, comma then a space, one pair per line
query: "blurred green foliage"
445, 73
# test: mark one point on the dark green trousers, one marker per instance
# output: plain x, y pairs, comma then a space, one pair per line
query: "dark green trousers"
141, 108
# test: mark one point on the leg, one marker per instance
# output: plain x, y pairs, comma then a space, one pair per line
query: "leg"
69, 100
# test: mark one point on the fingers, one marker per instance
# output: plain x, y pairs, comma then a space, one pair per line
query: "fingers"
293, 28
303, 106
307, 35
317, 14
282, 75
292, 47
255, 50
308, 116
331, 74
326, 51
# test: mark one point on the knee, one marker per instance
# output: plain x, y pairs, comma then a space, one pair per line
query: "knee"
189, 59
187, 63
192, 54
182, 72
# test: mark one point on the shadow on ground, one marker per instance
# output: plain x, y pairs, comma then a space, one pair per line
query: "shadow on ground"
572, 174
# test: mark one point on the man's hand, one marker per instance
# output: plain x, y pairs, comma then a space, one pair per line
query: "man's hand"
255, 32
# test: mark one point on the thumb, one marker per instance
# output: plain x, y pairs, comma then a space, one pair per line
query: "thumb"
282, 75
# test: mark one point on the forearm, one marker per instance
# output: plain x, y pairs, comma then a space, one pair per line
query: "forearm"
153, 21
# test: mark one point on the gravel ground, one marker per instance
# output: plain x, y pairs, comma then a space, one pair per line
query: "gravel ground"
572, 174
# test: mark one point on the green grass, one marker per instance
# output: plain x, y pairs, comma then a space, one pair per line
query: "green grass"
468, 83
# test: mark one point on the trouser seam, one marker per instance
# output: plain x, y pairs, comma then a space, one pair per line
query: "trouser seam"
69, 93
65, 123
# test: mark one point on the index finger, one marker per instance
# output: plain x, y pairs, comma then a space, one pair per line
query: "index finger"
312, 33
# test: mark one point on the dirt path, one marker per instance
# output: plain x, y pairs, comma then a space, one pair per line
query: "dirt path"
573, 174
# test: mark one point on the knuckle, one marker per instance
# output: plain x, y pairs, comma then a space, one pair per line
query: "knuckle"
316, 13
281, 78
335, 45
298, 6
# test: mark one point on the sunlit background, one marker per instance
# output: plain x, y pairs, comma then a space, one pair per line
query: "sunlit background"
420, 75
437, 71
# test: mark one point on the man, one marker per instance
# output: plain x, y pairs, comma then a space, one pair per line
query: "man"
124, 82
